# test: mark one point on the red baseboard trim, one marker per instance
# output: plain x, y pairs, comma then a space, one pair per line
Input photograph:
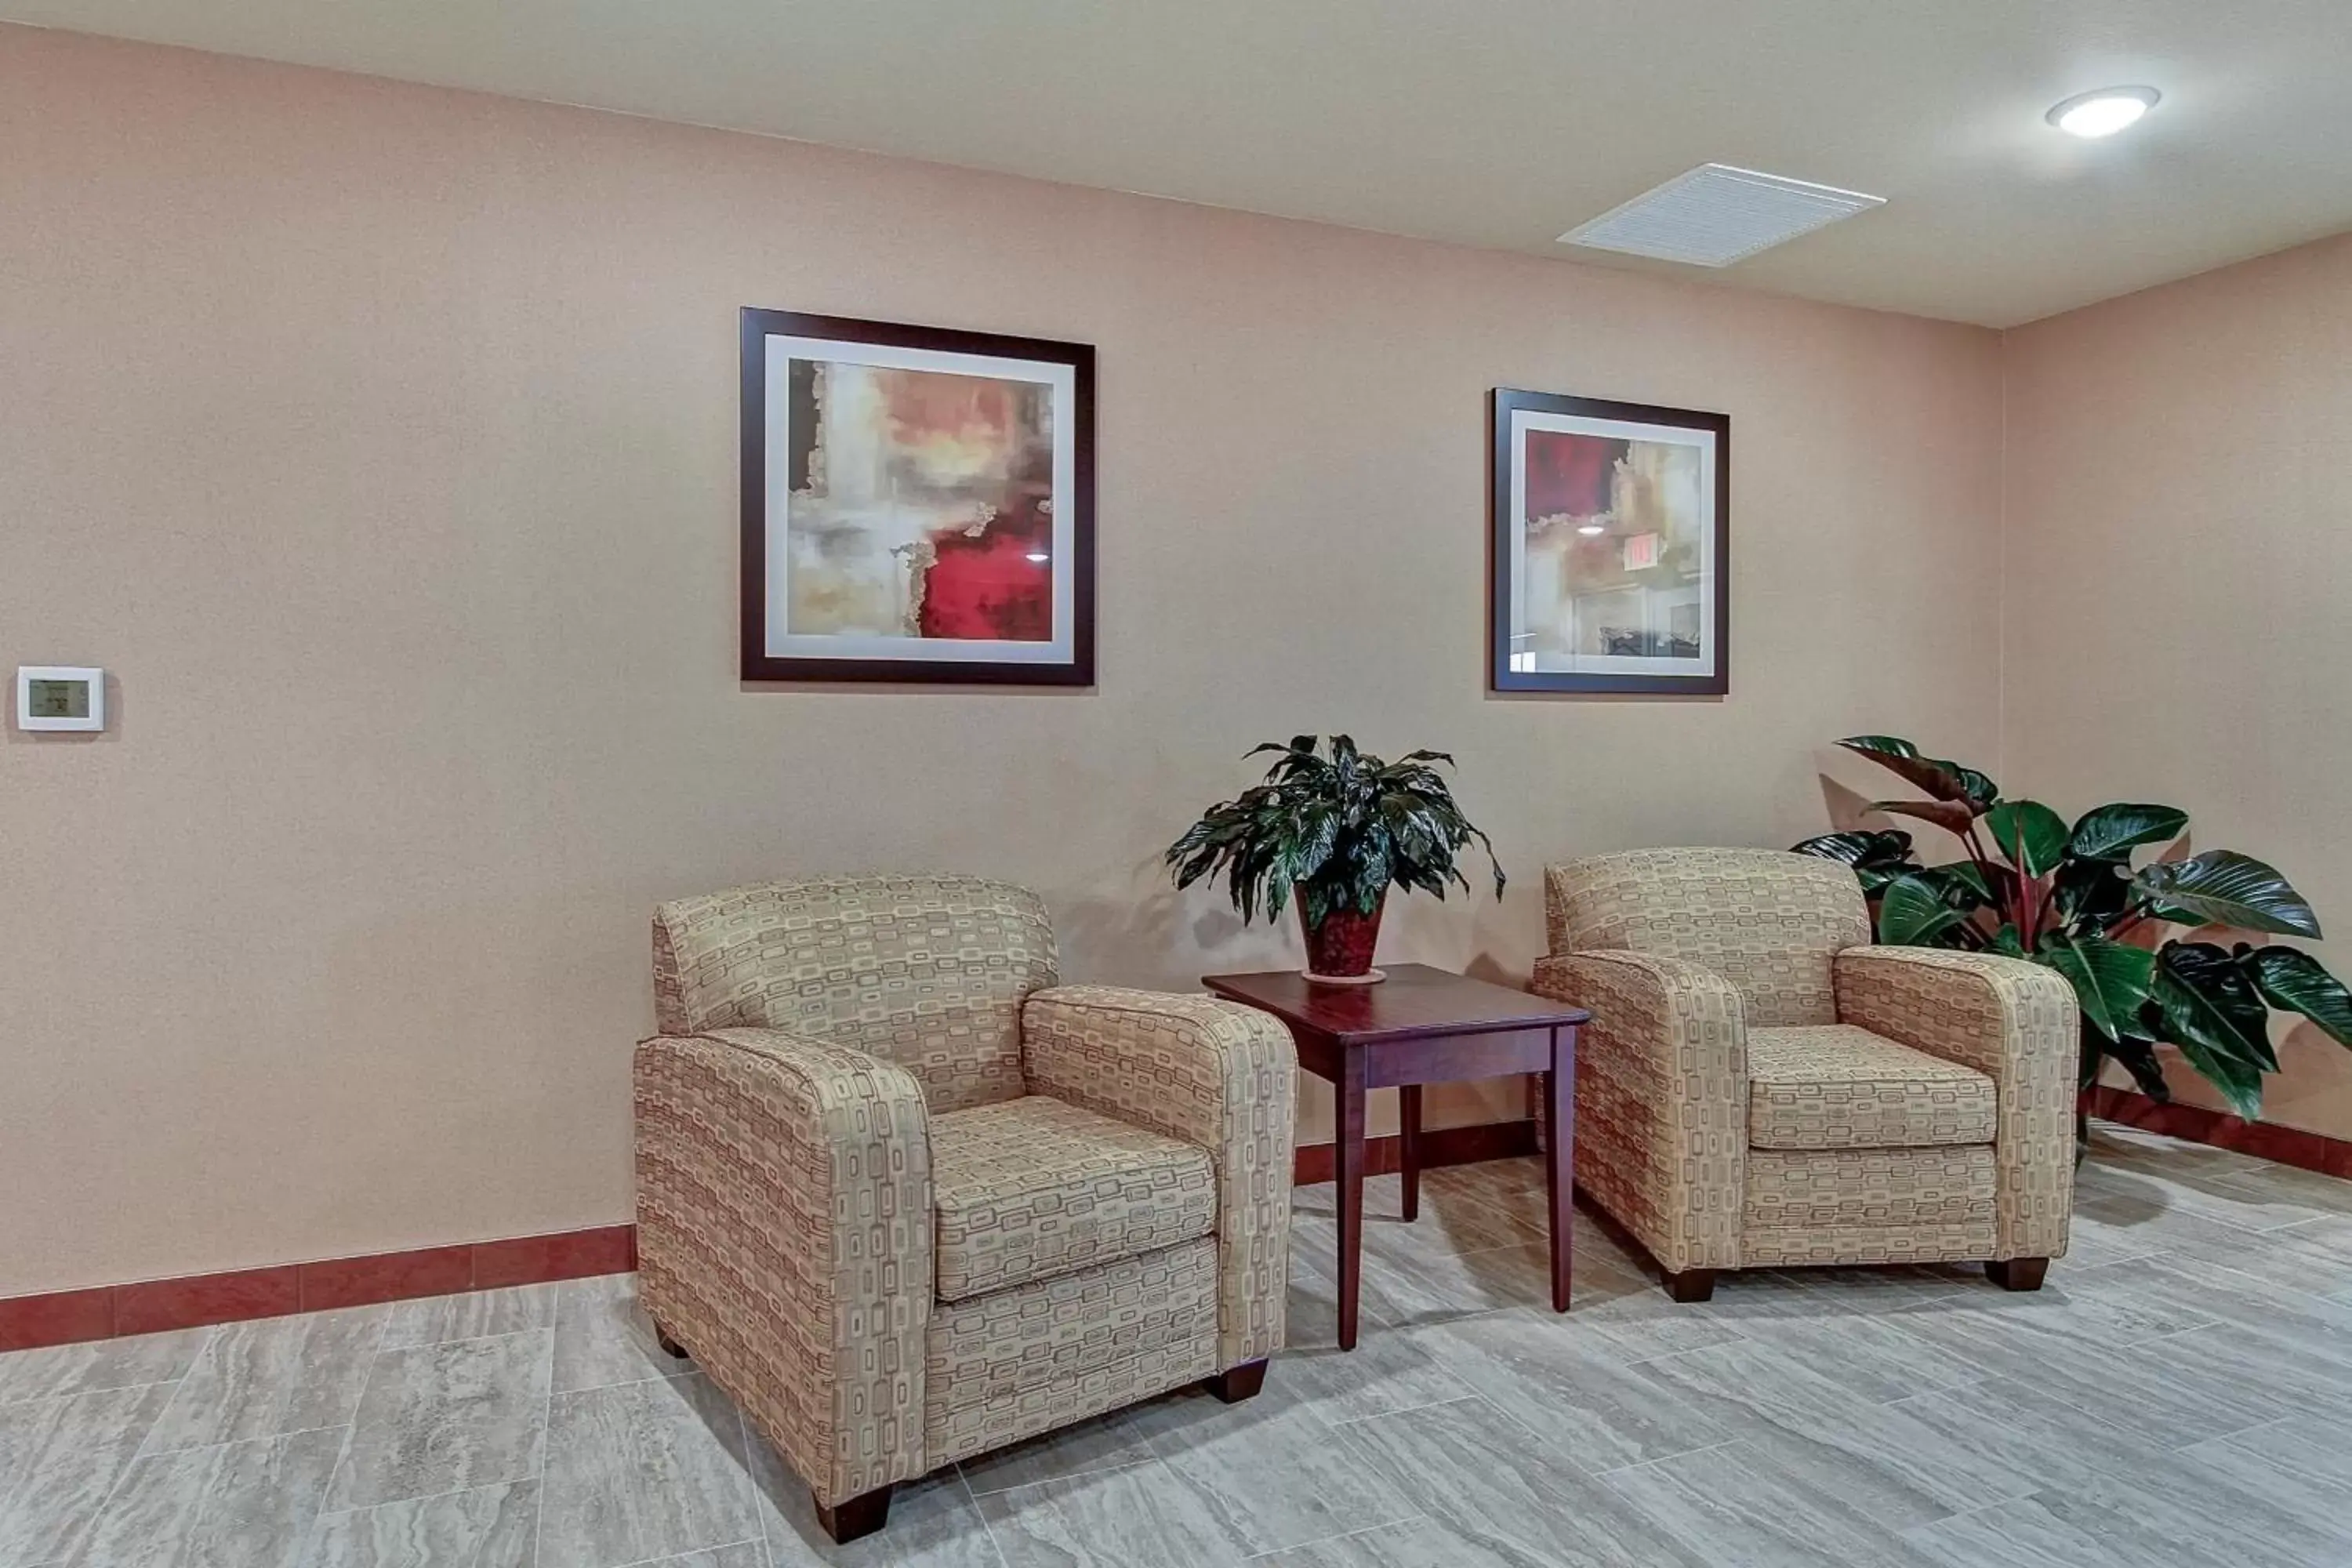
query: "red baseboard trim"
2287, 1145
149, 1306
1313, 1162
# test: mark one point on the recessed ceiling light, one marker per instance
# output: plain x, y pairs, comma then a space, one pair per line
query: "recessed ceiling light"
1590, 529
1039, 555
2102, 113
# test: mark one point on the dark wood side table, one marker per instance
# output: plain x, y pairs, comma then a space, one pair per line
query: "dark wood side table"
1421, 1026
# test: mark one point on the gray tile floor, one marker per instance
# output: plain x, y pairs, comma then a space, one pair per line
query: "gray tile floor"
2180, 1393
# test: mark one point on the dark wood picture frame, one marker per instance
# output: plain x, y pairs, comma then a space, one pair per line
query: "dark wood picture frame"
758, 664
1503, 508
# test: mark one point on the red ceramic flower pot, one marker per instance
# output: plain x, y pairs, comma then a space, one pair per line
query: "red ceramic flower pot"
1340, 948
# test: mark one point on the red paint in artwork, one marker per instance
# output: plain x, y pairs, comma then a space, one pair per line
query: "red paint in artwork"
988, 587
1572, 474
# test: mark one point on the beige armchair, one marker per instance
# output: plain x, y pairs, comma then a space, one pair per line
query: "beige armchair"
1761, 1087
906, 1199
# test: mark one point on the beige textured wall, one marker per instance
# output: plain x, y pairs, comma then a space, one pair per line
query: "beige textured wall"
382, 441
2179, 597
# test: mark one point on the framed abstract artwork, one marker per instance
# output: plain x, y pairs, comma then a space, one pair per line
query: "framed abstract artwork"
918, 504
1610, 547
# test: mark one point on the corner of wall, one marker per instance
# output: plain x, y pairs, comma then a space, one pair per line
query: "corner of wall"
2000, 757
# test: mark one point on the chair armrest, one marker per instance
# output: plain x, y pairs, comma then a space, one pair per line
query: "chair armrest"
784, 1238
1215, 1074
2010, 1019
1683, 1016
1660, 1099
1999, 1015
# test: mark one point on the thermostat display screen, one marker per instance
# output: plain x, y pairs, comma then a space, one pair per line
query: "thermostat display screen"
58, 699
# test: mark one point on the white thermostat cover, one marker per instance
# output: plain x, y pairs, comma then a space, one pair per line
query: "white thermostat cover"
60, 697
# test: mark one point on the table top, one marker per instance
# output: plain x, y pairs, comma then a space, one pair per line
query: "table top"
1415, 1001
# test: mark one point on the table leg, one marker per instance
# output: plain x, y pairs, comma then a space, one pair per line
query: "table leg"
1560, 1169
1350, 1152
1409, 1147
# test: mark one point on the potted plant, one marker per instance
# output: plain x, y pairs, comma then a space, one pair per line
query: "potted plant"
1335, 832
2070, 897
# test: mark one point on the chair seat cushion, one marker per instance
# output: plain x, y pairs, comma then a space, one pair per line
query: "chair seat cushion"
1834, 1086
1030, 1188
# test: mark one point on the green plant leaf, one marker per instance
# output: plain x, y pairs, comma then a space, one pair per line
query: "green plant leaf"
1955, 884
2206, 1000
2032, 835
2291, 979
1952, 817
1945, 781
2139, 1057
1877, 858
2007, 942
1912, 913
2222, 887
1330, 832
1858, 848
2240, 1083
2092, 895
2108, 831
1969, 875
2111, 979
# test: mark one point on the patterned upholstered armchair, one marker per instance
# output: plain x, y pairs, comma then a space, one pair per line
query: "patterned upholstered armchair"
906, 1199
1759, 1088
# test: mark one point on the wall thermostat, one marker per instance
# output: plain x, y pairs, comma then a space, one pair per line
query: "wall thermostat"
60, 697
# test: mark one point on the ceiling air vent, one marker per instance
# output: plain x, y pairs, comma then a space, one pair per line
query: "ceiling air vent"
1718, 214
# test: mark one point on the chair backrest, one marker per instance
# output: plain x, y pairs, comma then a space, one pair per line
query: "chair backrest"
927, 971
1767, 922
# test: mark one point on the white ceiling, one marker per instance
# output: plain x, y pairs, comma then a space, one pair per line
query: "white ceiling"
1492, 122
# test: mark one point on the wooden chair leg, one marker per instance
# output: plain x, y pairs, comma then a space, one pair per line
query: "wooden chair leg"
2017, 1273
1236, 1384
1691, 1285
854, 1517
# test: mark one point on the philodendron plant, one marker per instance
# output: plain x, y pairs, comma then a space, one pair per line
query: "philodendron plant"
2072, 898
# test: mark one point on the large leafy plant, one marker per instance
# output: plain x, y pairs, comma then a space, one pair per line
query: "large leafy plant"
2070, 897
1335, 830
